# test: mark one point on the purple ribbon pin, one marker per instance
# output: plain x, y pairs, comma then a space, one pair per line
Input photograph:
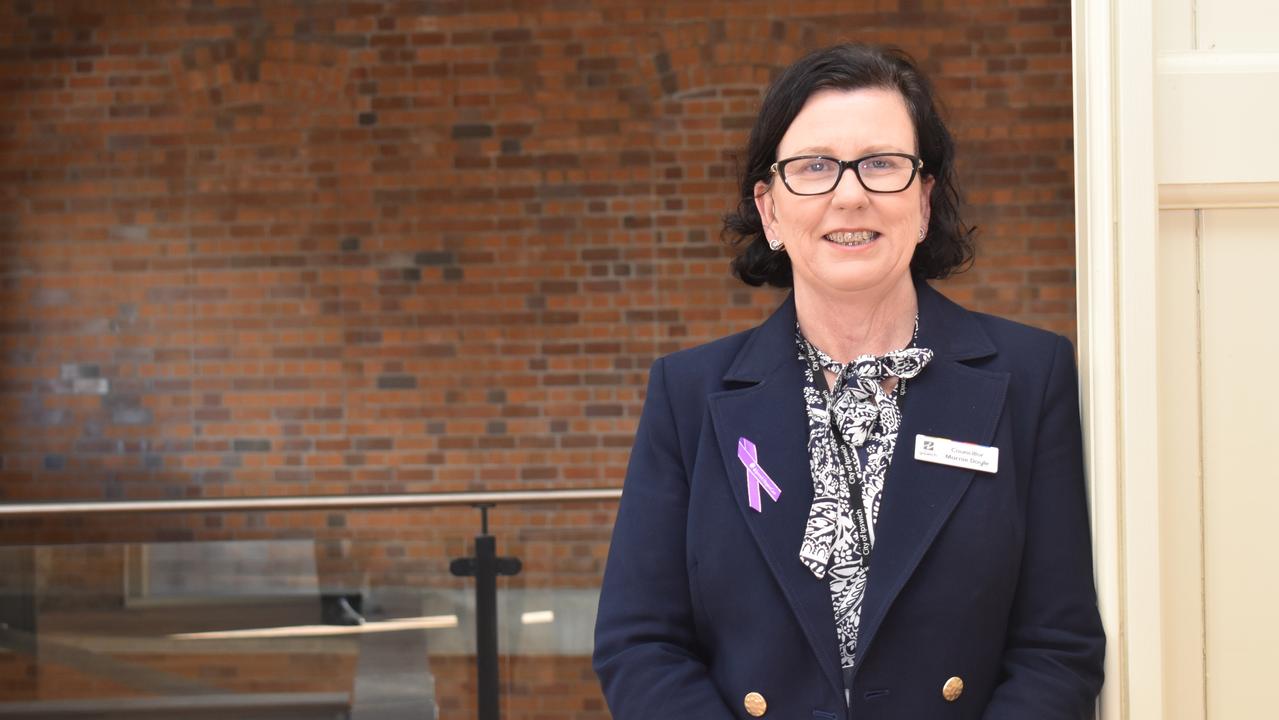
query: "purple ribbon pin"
755, 475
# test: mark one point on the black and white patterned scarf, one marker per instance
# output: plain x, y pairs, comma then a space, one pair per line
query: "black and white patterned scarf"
852, 453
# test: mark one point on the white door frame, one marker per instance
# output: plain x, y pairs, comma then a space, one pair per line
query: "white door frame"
1117, 229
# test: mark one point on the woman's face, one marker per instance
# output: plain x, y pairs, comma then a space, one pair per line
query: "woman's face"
850, 242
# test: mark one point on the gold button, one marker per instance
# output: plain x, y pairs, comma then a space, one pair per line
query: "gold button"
755, 704
953, 688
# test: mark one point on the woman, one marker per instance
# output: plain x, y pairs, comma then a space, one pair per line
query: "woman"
873, 504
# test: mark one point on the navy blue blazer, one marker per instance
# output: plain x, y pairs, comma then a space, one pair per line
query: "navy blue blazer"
978, 576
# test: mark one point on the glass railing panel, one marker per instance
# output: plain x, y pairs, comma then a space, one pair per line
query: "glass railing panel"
548, 611
303, 614
119, 628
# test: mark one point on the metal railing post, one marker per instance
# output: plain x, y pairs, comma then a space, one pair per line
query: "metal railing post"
485, 567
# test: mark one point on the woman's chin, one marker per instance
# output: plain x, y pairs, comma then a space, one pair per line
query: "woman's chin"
861, 283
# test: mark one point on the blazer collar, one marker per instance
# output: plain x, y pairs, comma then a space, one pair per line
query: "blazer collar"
950, 331
770, 345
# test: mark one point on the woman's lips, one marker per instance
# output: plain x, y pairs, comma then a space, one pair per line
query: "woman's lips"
852, 239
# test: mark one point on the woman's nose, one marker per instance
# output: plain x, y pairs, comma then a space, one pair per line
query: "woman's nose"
849, 191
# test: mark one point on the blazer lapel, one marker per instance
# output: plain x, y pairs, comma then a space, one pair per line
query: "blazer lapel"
949, 400
769, 412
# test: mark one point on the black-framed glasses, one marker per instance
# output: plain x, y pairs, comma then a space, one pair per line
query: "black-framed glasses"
819, 174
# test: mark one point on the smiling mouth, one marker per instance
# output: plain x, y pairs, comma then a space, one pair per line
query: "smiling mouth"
852, 239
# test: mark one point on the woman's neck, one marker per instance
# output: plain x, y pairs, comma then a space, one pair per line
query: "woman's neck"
867, 323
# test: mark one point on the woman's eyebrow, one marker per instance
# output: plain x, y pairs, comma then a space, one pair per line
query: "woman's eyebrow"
827, 151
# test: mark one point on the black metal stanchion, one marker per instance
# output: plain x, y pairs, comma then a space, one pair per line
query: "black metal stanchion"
485, 566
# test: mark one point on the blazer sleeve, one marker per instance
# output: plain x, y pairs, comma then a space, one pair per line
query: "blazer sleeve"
1052, 662
646, 651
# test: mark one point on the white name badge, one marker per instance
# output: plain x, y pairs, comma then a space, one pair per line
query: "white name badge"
956, 454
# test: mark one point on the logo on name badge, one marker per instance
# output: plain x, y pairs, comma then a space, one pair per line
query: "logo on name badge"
969, 456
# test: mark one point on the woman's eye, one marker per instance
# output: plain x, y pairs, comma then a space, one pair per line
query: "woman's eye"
818, 165
881, 164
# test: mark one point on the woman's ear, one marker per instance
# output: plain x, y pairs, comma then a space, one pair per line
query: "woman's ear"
925, 204
766, 207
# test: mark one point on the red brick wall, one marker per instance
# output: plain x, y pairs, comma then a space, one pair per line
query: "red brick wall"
267, 247
539, 687
326, 670
547, 687
19, 677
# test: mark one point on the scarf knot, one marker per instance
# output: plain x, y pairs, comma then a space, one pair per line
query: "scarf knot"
858, 401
